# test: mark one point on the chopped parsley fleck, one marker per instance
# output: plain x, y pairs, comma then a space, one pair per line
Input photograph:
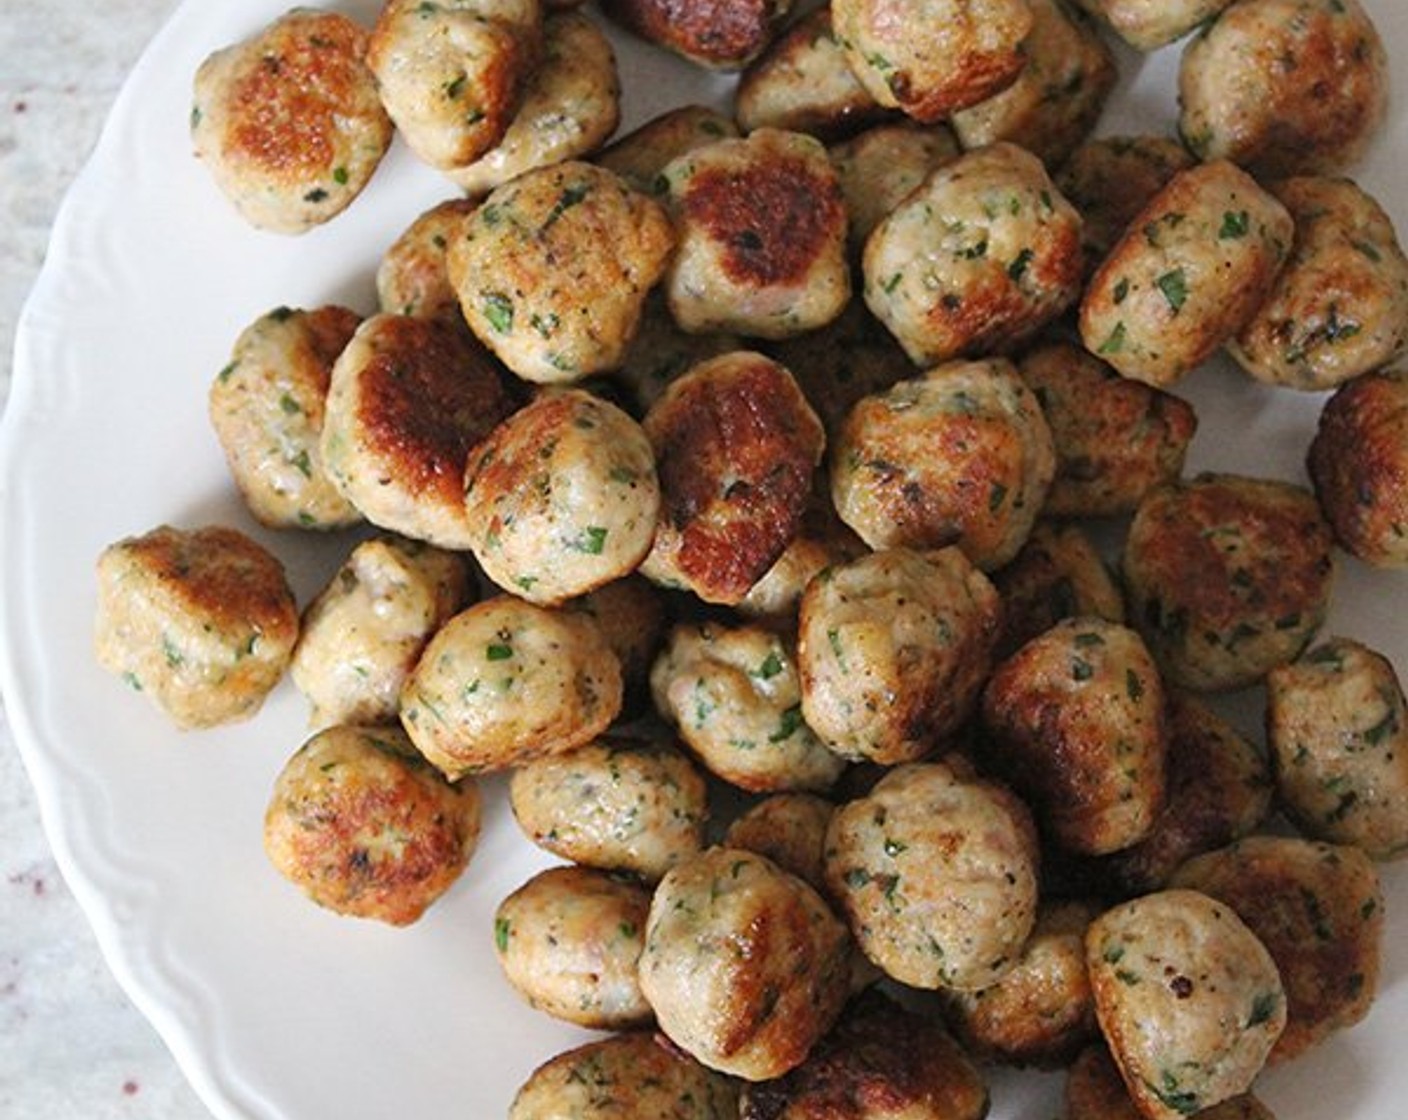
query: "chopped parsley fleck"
1174, 286
498, 309
1235, 224
497, 651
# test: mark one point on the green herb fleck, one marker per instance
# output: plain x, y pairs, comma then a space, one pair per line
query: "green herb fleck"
498, 309
1235, 224
502, 927
787, 726
1174, 286
497, 651
1115, 343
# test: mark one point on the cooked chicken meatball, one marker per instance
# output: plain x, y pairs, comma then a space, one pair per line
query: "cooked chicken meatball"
266, 407
202, 621
1076, 721
661, 351
640, 155
762, 236
788, 828
735, 696
1358, 462
1340, 306
1319, 910
1149, 24
617, 804
553, 268
936, 872
505, 682
633, 1076
961, 456
1187, 275
719, 34
630, 613
1227, 577
571, 104
1188, 1000
735, 447
978, 258
881, 166
930, 57
408, 399
893, 649
289, 122
366, 827
821, 542
569, 942
1115, 438
1284, 87
412, 278
744, 964
1095, 1091
1337, 724
881, 1061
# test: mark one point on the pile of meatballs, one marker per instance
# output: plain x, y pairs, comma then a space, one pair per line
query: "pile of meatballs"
732, 485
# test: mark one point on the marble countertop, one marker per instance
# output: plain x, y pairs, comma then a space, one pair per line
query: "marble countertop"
71, 1045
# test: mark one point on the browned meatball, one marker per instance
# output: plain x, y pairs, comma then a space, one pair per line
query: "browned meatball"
720, 34
640, 155
788, 828
1149, 24
630, 613
1095, 1091
412, 278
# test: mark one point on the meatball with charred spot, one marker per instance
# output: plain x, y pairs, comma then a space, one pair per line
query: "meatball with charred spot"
1147, 25
1095, 1091
413, 277
718, 34
642, 154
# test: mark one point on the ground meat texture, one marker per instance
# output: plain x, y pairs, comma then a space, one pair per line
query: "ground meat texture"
505, 682
735, 447
569, 942
1319, 910
618, 804
633, 1076
735, 695
1095, 1091
1227, 577
929, 58
1188, 1000
1076, 723
630, 613
936, 873
788, 828
1149, 24
744, 964
412, 278
894, 648
762, 236
961, 456
366, 827
979, 258
407, 400
661, 352
363, 633
1337, 724
719, 34
881, 1060
640, 155
1340, 306
266, 406
553, 268
1058, 96
1284, 87
1358, 462
289, 122
202, 621
1187, 275
451, 76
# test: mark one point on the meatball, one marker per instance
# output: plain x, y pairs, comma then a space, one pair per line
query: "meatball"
632, 1076
661, 352
735, 447
617, 804
361, 636
881, 1060
1115, 438
640, 155
569, 942
1227, 577
1149, 24
202, 621
553, 268
1058, 96
289, 122
930, 57
762, 236
561, 497
788, 828
1188, 1000
505, 682
267, 406
413, 278
1358, 462
1076, 721
961, 456
1340, 306
893, 649
1187, 275
366, 827
1095, 1091
744, 964
630, 613
408, 399
735, 696
1284, 87
936, 872
1319, 910
451, 76
1337, 725
719, 34
980, 257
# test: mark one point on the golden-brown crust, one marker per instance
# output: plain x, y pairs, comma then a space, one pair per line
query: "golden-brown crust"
723, 34
640, 156
412, 278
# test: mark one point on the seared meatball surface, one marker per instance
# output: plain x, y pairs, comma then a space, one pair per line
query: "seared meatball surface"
1095, 1091
718, 34
640, 155
788, 828
413, 277
879, 167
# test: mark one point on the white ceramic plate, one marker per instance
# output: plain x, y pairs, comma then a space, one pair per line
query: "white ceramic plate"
274, 1007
